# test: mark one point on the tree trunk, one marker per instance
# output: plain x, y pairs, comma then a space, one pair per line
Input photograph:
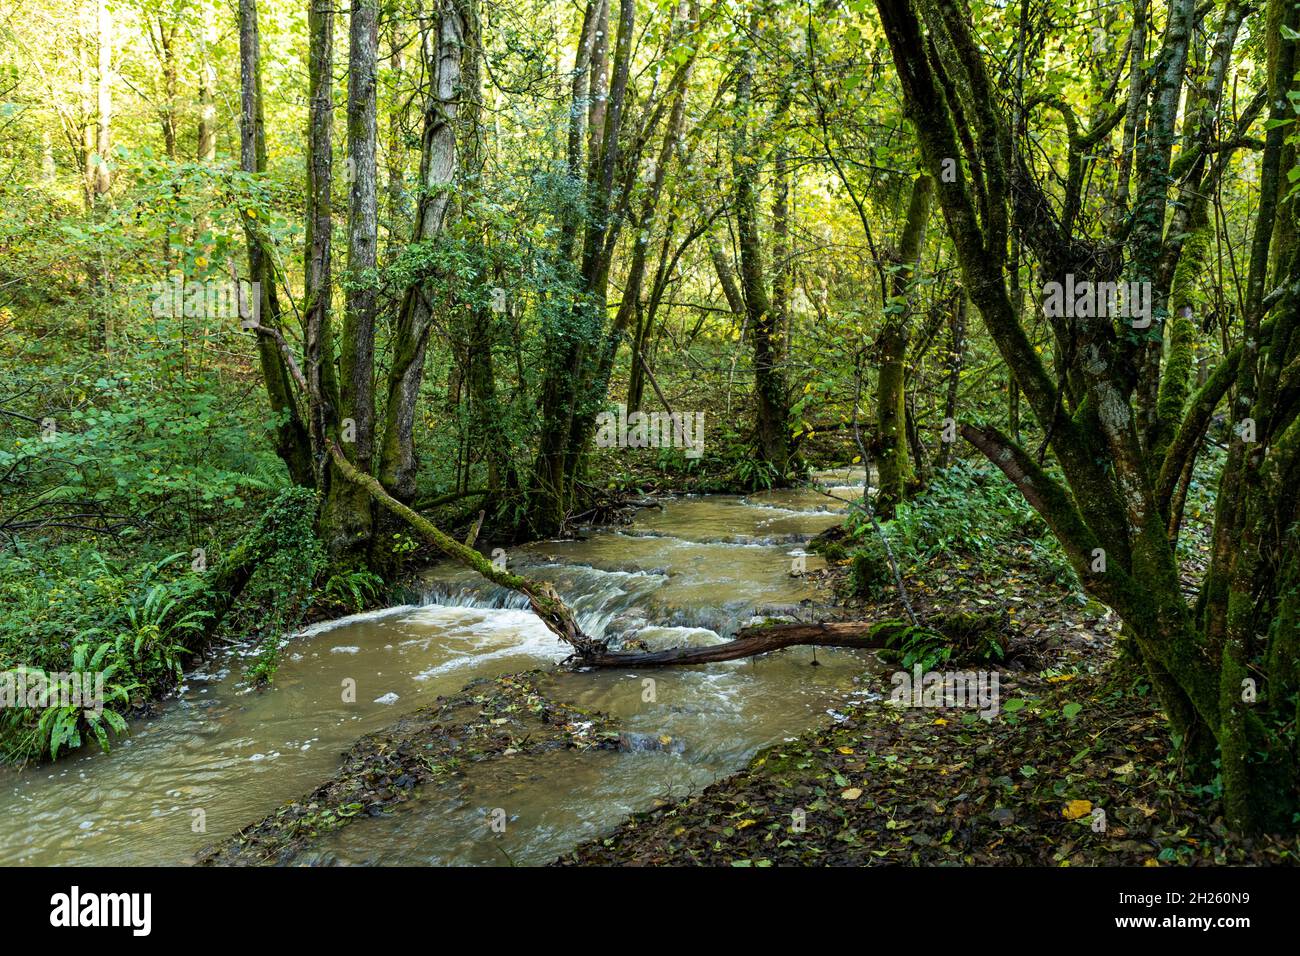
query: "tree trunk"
771, 395
1108, 513
749, 642
207, 152
956, 351
893, 460
292, 443
438, 171
318, 339
346, 519
97, 146
571, 391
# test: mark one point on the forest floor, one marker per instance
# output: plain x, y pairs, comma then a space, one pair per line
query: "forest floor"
882, 783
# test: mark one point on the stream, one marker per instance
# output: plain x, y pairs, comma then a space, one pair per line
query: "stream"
222, 753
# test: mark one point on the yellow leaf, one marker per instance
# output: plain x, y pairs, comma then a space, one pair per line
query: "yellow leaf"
1077, 808
851, 794
941, 722
745, 823
846, 750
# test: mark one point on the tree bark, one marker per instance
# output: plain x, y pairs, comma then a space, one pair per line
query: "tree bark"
318, 339
438, 171
893, 460
346, 519
748, 643
771, 394
292, 443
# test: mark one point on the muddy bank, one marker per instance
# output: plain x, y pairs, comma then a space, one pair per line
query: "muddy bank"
436, 746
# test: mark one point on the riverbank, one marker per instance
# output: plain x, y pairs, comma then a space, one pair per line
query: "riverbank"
225, 750
523, 760
884, 785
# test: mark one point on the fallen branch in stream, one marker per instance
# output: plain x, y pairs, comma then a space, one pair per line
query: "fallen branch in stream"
751, 641
590, 652
546, 604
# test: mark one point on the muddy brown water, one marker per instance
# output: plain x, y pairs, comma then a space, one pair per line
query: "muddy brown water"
222, 753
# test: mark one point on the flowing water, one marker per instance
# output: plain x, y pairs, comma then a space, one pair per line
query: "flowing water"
222, 753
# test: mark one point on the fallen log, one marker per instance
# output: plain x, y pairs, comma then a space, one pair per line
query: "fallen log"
751, 641
542, 598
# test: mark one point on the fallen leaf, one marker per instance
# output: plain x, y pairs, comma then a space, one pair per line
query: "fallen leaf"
1077, 808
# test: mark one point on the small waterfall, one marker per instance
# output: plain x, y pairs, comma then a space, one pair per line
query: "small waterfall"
599, 599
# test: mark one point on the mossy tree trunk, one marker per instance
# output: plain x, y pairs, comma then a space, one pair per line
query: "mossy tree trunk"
1224, 672
291, 444
346, 521
775, 446
893, 461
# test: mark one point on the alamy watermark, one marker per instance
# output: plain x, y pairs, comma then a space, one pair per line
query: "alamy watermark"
651, 430
973, 689
1085, 300
38, 689
213, 299
130, 910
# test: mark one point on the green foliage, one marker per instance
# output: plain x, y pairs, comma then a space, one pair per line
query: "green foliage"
962, 638
968, 510
86, 615
919, 645
752, 474
69, 608
352, 590
869, 571
267, 662
283, 589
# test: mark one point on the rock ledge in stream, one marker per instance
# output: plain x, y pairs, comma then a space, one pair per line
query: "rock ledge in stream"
486, 720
